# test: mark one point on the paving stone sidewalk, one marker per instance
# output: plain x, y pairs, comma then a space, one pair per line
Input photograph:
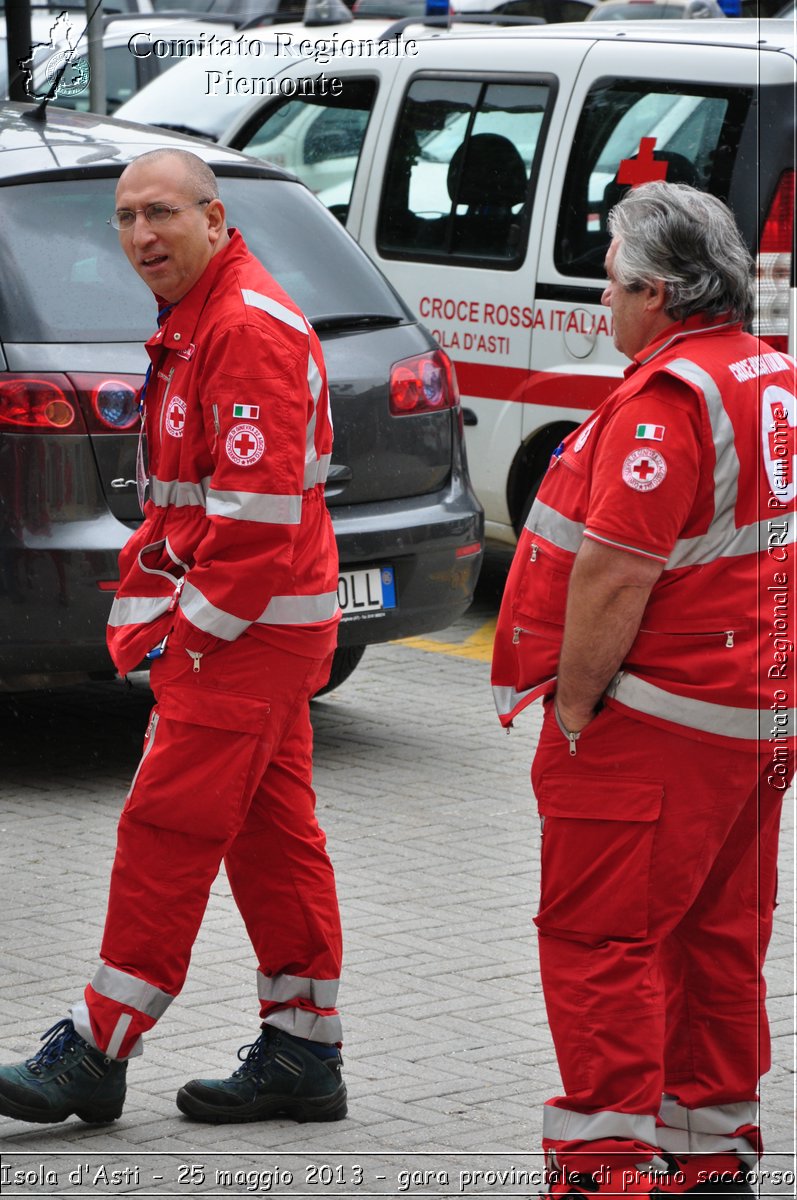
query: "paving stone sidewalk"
435, 841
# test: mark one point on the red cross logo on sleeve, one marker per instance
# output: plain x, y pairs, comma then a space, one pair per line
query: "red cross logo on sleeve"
245, 445
644, 168
644, 469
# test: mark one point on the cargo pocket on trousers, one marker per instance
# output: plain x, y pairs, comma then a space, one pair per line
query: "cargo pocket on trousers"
597, 843
196, 774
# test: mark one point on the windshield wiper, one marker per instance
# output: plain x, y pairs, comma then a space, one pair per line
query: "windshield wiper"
354, 321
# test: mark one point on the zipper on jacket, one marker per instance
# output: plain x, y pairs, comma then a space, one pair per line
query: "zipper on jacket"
729, 638
195, 656
570, 734
516, 632
534, 551
149, 738
165, 397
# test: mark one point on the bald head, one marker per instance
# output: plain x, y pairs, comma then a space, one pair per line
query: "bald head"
182, 166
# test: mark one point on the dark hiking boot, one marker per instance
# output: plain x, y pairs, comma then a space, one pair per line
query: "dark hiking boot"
280, 1077
65, 1076
707, 1175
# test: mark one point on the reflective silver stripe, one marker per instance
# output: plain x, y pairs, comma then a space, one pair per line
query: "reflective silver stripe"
562, 1125
558, 530
747, 539
745, 723
507, 699
130, 990
118, 1036
79, 1013
164, 492
716, 1118
316, 472
305, 1024
137, 610
314, 384
274, 309
255, 506
279, 989
707, 1130
208, 618
299, 610
726, 468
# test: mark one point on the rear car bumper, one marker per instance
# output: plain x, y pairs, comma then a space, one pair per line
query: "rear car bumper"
56, 582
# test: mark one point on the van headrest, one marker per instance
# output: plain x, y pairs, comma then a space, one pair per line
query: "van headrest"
492, 174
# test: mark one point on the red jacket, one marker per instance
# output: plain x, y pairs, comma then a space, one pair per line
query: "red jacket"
690, 461
236, 536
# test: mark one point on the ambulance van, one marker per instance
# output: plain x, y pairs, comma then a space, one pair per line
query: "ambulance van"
478, 172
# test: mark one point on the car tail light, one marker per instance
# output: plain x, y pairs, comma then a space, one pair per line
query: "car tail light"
74, 404
115, 403
423, 384
39, 405
774, 267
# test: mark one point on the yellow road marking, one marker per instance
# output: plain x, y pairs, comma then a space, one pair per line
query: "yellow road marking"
478, 645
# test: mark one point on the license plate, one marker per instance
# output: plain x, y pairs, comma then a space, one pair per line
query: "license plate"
371, 591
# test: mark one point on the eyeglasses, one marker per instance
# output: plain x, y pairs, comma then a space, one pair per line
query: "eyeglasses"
155, 214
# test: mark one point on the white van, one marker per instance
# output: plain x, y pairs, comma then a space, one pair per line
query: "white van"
478, 171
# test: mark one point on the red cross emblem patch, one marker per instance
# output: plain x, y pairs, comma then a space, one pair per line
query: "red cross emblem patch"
644, 469
245, 445
175, 417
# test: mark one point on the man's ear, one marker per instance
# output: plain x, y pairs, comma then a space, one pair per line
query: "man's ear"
216, 219
656, 296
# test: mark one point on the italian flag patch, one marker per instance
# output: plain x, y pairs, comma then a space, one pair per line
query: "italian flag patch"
250, 412
650, 433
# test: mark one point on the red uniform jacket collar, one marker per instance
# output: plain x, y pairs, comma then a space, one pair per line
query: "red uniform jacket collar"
699, 323
177, 331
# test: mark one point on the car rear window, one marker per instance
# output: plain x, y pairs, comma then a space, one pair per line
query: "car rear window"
634, 130
66, 278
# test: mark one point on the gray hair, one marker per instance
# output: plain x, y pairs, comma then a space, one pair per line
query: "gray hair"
689, 240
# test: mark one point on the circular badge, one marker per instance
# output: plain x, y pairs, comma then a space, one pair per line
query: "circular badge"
644, 469
245, 445
75, 78
175, 417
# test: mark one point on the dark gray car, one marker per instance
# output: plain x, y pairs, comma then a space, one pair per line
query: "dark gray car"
73, 318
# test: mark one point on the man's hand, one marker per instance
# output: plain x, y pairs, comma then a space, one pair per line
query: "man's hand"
606, 598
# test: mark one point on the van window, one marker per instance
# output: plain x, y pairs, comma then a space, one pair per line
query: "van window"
318, 138
631, 131
459, 180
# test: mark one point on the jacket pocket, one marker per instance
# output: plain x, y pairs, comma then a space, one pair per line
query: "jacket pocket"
597, 846
199, 775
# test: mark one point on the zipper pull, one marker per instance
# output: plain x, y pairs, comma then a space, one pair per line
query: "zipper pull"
572, 738
195, 656
516, 635
534, 550
729, 638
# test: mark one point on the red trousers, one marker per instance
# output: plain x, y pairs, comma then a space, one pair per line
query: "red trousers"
226, 774
658, 890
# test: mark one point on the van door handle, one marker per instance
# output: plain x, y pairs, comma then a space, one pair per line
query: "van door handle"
469, 417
